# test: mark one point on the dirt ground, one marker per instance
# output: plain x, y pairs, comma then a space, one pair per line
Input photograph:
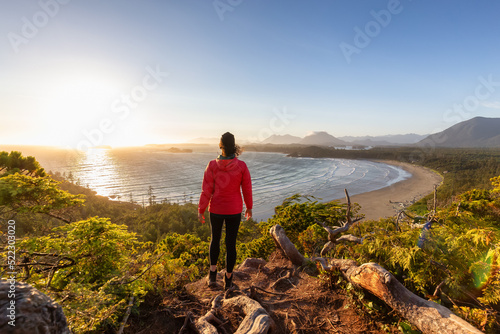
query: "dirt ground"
297, 303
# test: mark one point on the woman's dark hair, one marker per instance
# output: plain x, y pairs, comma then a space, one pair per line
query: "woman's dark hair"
229, 145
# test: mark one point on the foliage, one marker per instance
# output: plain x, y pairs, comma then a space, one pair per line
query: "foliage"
157, 221
14, 162
453, 258
98, 263
102, 253
189, 249
34, 198
297, 215
22, 193
312, 240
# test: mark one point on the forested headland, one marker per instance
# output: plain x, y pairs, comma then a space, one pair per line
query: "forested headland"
101, 259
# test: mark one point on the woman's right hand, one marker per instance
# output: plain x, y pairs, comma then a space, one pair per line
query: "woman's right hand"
248, 213
201, 218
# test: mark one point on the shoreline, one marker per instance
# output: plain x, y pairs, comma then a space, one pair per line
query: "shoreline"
386, 202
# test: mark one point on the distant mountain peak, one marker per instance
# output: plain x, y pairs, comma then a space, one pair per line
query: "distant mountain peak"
322, 138
475, 132
387, 140
281, 139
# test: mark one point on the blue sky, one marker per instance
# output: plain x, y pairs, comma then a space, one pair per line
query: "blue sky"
78, 73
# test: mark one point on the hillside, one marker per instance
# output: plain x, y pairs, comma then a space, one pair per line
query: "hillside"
152, 260
322, 138
282, 140
387, 140
316, 138
478, 132
296, 302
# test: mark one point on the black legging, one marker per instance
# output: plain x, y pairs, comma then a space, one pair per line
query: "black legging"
232, 226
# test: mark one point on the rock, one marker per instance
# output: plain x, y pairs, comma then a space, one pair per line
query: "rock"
31, 311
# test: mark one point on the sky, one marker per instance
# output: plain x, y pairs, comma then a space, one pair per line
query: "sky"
81, 73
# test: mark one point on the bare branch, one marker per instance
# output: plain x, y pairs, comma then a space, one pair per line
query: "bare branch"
127, 314
345, 226
286, 246
351, 238
140, 275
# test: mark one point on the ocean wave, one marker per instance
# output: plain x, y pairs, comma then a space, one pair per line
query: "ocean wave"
178, 178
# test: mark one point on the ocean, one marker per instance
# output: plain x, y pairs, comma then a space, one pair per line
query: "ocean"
135, 174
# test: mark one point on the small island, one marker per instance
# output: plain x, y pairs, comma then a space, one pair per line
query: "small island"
178, 150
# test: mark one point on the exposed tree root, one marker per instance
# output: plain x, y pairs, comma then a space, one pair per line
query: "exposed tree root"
203, 324
256, 320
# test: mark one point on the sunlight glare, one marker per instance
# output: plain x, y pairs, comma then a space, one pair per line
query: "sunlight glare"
70, 106
99, 170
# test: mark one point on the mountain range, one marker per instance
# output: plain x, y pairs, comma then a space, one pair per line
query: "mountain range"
322, 138
476, 132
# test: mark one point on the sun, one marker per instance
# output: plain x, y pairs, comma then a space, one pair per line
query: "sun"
77, 109
71, 107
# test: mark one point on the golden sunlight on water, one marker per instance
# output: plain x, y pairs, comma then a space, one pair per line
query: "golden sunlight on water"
100, 170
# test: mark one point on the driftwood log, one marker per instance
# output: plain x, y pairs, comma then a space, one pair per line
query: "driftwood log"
427, 316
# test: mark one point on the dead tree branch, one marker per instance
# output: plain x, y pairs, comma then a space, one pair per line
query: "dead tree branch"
333, 232
127, 314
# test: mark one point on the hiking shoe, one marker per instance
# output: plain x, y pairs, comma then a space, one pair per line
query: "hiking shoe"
228, 282
212, 278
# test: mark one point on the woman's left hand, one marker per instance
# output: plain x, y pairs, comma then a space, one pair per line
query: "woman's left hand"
201, 218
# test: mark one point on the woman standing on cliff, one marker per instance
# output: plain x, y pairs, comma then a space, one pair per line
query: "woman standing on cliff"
224, 180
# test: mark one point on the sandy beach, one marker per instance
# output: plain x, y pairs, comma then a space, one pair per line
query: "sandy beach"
386, 202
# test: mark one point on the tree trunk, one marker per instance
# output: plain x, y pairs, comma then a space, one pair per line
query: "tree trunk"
285, 245
428, 316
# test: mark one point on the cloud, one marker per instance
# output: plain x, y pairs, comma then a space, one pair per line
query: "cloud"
491, 104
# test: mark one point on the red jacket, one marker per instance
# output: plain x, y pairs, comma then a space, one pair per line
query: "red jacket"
222, 181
